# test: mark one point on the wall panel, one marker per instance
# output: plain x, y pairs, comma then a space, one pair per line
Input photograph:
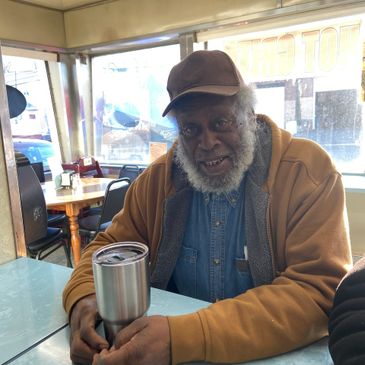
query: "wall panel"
356, 212
295, 2
24, 23
129, 18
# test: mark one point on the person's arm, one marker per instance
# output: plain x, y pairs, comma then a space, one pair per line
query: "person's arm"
139, 220
293, 310
79, 298
346, 324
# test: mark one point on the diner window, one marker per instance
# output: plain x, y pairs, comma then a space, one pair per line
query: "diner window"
34, 131
308, 79
129, 96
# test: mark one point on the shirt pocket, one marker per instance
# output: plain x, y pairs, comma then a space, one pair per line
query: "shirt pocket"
243, 273
186, 271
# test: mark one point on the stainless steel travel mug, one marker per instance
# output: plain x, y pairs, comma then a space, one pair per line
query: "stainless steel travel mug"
122, 283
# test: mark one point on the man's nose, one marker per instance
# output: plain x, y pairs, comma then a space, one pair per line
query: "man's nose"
208, 139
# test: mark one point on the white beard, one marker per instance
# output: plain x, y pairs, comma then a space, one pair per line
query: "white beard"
242, 160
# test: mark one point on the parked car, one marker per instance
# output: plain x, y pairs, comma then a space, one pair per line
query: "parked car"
37, 150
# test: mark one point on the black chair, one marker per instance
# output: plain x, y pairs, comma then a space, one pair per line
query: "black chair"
115, 192
54, 219
39, 171
41, 240
130, 171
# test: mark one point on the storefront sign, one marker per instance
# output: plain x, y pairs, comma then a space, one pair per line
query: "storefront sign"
300, 54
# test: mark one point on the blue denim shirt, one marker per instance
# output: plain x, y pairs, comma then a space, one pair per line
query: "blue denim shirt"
212, 263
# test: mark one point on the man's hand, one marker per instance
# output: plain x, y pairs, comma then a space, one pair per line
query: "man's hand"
84, 340
146, 341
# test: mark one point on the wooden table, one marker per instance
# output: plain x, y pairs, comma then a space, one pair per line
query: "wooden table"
71, 201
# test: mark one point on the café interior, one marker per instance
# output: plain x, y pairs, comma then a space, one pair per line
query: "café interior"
84, 45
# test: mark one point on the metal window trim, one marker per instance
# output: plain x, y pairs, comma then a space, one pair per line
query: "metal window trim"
10, 168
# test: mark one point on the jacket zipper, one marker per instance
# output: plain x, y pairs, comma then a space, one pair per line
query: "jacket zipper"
269, 237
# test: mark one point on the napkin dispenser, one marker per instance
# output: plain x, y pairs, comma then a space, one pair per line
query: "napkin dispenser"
66, 178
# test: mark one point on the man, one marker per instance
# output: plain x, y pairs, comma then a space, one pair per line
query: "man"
347, 319
238, 213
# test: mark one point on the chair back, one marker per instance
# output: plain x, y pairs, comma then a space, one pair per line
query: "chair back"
114, 199
85, 166
39, 171
32, 200
130, 171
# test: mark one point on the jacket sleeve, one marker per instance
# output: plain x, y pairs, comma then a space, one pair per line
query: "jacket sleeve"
123, 228
347, 319
311, 253
140, 220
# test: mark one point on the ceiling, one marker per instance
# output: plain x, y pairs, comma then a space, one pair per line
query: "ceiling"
62, 5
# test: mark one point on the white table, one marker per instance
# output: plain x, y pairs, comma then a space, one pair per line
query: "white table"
33, 324
30, 304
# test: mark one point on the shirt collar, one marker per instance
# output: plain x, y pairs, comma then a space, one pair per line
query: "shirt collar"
231, 196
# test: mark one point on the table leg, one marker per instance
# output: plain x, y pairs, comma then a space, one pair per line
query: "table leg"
72, 212
75, 238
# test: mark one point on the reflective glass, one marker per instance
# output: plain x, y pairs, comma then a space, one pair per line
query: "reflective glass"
129, 96
34, 129
308, 79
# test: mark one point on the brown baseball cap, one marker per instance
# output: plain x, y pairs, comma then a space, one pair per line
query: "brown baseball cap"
208, 72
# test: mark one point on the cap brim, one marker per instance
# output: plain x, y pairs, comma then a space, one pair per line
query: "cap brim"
210, 89
16, 101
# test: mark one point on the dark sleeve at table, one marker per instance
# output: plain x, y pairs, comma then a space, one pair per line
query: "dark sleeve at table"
347, 319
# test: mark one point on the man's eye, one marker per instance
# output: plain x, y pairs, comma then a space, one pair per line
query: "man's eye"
189, 131
223, 124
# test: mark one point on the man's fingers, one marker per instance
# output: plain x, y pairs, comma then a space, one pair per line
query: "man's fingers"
84, 340
80, 352
85, 344
84, 318
125, 356
89, 335
126, 334
144, 342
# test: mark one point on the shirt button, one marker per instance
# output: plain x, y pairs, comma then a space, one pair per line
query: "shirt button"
216, 261
217, 223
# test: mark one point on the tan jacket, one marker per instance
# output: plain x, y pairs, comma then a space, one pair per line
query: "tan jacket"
298, 250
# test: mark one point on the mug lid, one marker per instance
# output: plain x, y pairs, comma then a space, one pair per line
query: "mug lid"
120, 253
